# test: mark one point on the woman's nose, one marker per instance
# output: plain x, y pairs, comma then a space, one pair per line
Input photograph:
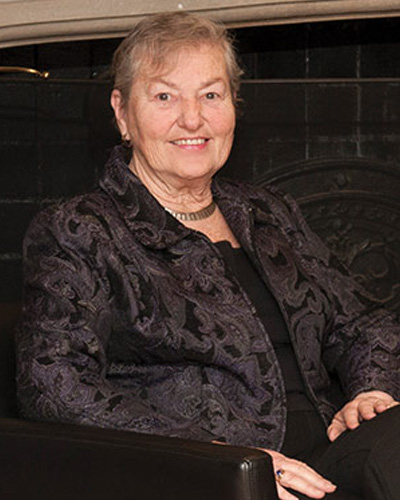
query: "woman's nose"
190, 116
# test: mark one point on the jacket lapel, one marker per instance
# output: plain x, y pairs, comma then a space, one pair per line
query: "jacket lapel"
143, 215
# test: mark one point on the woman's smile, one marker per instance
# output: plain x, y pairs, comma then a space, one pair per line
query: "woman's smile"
196, 143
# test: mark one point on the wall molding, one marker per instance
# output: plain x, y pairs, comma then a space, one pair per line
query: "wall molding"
24, 22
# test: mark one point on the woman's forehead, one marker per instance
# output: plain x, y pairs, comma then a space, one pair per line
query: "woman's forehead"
156, 68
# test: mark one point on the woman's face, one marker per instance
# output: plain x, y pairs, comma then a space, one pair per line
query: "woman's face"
180, 121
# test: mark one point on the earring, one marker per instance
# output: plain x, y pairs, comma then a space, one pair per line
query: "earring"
126, 142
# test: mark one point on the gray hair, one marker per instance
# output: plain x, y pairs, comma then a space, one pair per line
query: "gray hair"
159, 35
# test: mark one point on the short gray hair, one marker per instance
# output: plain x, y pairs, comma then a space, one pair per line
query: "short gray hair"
161, 34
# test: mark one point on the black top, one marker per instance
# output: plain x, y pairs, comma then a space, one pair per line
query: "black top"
304, 426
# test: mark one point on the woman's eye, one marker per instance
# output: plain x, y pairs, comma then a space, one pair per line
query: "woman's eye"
211, 95
163, 96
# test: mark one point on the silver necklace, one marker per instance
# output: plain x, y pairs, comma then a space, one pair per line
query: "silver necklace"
199, 215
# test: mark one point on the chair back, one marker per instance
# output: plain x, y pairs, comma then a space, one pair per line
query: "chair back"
9, 314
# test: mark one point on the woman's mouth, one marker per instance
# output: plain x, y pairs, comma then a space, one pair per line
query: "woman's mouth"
197, 142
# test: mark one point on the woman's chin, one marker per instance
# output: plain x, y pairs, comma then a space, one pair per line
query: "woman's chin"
193, 172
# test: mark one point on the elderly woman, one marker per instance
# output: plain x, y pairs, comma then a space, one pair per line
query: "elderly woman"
173, 303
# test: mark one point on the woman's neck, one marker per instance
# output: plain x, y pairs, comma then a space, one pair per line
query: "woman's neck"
179, 195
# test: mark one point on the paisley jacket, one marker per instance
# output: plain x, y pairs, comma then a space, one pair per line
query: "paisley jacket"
133, 321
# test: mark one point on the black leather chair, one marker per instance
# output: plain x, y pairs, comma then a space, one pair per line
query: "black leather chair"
66, 462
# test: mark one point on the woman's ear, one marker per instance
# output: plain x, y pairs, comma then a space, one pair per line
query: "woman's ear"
117, 104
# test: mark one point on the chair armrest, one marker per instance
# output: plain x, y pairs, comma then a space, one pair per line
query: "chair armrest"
52, 461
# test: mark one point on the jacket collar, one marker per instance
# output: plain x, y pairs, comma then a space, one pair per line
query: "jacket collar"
244, 206
157, 229
145, 217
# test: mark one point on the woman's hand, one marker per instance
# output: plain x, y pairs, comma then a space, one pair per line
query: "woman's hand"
298, 476
363, 407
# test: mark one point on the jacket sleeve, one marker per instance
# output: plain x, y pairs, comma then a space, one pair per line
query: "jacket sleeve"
63, 338
362, 341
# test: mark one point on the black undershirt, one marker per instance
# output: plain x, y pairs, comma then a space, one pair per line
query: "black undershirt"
304, 429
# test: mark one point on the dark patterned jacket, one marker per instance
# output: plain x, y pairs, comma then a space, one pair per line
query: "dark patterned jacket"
133, 321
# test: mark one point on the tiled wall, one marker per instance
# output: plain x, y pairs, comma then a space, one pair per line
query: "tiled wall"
55, 134
334, 101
